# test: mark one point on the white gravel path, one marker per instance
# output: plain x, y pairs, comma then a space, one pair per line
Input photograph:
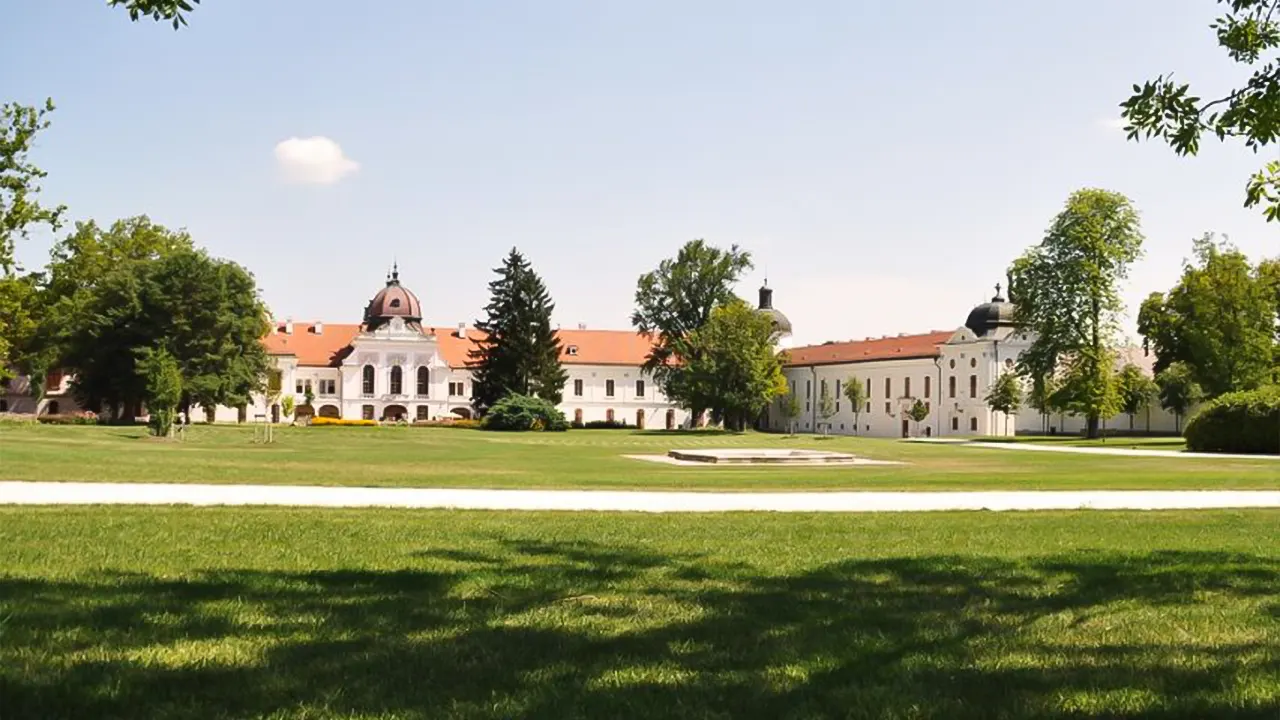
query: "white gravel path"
45, 493
1127, 452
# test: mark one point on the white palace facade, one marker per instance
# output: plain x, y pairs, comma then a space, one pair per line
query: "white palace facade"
393, 366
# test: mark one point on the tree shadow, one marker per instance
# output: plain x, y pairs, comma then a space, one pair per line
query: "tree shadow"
549, 629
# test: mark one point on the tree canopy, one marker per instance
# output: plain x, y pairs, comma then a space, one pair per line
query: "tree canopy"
171, 11
1164, 108
856, 392
20, 207
1219, 319
520, 353
1178, 390
730, 364
677, 299
1136, 390
1068, 294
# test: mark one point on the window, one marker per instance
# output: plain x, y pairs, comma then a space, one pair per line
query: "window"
973, 362
328, 387
838, 394
906, 387
973, 386
366, 412
926, 385
868, 406
808, 388
577, 388
424, 412
953, 363
53, 381
366, 386
973, 424
424, 382
888, 387
886, 409
608, 388
577, 416
297, 387
868, 387
793, 387
955, 423
397, 380
608, 414
571, 351
822, 388
395, 303
639, 388
456, 389
951, 386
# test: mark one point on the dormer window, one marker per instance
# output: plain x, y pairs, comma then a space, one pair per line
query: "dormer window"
395, 303
572, 350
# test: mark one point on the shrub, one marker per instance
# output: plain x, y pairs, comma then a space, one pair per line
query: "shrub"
603, 425
323, 421
1239, 422
77, 418
454, 423
7, 418
523, 413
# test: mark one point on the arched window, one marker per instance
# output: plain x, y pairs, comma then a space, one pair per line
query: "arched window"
951, 386
973, 386
397, 380
424, 381
52, 408
367, 385
973, 424
395, 303
906, 387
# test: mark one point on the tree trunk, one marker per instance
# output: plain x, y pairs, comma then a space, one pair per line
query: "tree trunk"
1130, 422
1092, 431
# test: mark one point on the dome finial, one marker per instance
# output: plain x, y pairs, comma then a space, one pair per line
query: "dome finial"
395, 270
998, 297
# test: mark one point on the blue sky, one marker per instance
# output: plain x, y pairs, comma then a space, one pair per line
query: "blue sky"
883, 161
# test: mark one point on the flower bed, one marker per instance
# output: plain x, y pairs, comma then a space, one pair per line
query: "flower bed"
323, 421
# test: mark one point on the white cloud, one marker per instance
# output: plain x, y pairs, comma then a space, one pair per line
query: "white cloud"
313, 161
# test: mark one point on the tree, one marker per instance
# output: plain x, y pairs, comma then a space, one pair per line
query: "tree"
1249, 32
677, 299
287, 405
19, 178
789, 405
159, 10
857, 396
158, 373
730, 364
519, 352
1040, 398
1219, 319
1136, 390
1068, 295
204, 313
1179, 392
1089, 388
1005, 396
826, 408
918, 411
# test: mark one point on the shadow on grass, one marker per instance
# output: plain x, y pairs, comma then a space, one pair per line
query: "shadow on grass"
578, 630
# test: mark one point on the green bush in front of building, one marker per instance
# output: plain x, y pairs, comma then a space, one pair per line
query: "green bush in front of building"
522, 413
1238, 422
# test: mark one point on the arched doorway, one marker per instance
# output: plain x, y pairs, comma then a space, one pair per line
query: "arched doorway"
671, 419
395, 413
608, 415
304, 411
330, 411
461, 412
52, 408
577, 416
640, 419
275, 413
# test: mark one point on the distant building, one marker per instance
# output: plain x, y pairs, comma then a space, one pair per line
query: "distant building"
393, 366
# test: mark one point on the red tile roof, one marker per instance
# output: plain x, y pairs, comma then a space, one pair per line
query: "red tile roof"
580, 347
892, 348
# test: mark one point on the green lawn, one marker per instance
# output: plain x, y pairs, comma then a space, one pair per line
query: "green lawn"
390, 456
247, 613
1137, 442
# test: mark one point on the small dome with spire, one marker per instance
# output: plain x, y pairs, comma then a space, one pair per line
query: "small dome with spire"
989, 316
780, 321
393, 301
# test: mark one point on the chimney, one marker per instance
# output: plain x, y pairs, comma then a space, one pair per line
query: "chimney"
318, 328
462, 329
288, 326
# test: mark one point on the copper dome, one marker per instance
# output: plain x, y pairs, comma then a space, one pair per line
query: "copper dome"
392, 301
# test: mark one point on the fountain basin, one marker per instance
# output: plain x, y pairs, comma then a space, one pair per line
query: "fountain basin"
751, 456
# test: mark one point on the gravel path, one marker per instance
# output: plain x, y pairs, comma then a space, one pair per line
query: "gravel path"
42, 493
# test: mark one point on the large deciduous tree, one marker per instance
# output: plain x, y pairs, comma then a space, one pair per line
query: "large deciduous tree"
1005, 396
1067, 290
1178, 391
1220, 319
1249, 32
676, 300
520, 351
1136, 390
203, 312
730, 365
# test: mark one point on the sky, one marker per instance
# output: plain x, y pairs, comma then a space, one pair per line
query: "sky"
882, 162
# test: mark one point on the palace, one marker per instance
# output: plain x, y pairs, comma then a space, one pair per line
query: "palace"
393, 366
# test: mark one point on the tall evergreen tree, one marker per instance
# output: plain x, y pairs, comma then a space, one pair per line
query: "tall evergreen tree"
520, 352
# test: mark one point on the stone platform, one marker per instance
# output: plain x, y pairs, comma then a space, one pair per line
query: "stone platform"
750, 456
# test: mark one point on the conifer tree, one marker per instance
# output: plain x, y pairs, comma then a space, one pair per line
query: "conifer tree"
520, 352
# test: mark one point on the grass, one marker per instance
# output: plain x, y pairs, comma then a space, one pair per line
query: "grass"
407, 457
1135, 442
173, 613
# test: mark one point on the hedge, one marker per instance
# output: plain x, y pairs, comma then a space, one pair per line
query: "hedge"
322, 421
79, 418
522, 413
1239, 422
603, 425
459, 423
